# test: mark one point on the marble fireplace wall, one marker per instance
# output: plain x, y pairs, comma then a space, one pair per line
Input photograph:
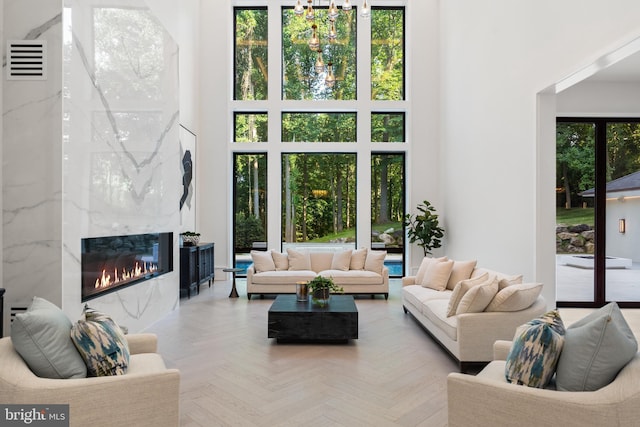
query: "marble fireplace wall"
100, 155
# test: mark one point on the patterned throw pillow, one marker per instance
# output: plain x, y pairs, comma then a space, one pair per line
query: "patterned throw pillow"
101, 344
535, 351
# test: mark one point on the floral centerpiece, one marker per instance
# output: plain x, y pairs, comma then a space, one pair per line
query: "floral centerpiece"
190, 238
321, 289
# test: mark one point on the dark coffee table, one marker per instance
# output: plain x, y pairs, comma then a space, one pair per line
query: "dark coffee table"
293, 321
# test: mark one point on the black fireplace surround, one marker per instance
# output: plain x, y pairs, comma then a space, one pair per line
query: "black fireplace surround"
114, 262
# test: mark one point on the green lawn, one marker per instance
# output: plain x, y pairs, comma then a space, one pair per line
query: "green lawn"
575, 216
351, 232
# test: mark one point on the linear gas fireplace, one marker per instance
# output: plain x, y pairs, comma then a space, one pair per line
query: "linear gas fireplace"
115, 262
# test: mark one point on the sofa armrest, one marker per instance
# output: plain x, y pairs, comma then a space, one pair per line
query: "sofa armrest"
478, 331
142, 343
408, 280
501, 349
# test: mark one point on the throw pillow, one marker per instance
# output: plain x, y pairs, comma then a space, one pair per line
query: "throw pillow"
341, 260
280, 260
375, 261
424, 265
358, 258
597, 347
461, 271
515, 297
299, 260
262, 261
41, 336
535, 351
101, 344
437, 275
508, 281
478, 297
462, 288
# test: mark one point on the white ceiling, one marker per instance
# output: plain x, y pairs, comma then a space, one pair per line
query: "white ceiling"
626, 70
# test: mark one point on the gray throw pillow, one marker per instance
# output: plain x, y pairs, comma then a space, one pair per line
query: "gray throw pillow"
42, 336
596, 348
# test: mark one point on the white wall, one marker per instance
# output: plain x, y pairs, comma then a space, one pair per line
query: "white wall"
494, 62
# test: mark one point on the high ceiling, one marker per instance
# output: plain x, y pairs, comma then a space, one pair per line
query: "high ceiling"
626, 70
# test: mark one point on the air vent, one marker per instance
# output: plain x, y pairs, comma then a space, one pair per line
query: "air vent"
26, 60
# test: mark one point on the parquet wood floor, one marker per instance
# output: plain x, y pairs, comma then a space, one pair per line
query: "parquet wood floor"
233, 375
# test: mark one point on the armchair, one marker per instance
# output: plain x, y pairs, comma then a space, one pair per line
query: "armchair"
488, 400
147, 395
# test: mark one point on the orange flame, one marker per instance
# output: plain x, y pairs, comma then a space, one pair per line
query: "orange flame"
105, 280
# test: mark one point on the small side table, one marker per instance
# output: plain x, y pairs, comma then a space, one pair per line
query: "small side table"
233, 271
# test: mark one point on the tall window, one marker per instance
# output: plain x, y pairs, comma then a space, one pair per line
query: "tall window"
323, 117
249, 203
319, 197
598, 203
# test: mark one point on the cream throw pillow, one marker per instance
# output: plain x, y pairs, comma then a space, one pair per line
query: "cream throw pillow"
341, 260
281, 261
478, 297
262, 261
437, 275
375, 261
299, 260
462, 288
424, 265
515, 297
508, 281
358, 258
461, 271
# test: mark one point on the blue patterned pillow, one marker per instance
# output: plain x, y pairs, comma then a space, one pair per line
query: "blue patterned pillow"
535, 351
101, 344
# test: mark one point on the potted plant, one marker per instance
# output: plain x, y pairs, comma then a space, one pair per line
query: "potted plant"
423, 228
190, 238
321, 289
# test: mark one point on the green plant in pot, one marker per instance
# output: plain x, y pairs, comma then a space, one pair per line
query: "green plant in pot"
321, 289
424, 229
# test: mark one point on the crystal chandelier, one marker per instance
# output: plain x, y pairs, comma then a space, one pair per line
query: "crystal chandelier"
314, 41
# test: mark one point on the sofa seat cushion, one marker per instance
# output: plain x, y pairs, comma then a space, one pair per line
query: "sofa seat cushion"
436, 311
282, 277
353, 277
145, 363
416, 295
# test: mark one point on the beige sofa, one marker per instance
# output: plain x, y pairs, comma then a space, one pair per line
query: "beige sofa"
487, 400
468, 337
147, 395
356, 271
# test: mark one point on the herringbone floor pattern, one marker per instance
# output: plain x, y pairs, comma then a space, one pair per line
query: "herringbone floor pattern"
233, 375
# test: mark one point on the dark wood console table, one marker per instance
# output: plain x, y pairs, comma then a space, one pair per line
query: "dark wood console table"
196, 267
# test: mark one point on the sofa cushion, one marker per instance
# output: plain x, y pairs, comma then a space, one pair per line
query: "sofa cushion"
351, 277
462, 288
478, 297
341, 260
101, 344
424, 265
596, 348
358, 258
437, 275
298, 260
436, 311
262, 261
321, 261
508, 281
375, 261
280, 260
289, 277
535, 351
41, 336
417, 295
461, 271
515, 297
